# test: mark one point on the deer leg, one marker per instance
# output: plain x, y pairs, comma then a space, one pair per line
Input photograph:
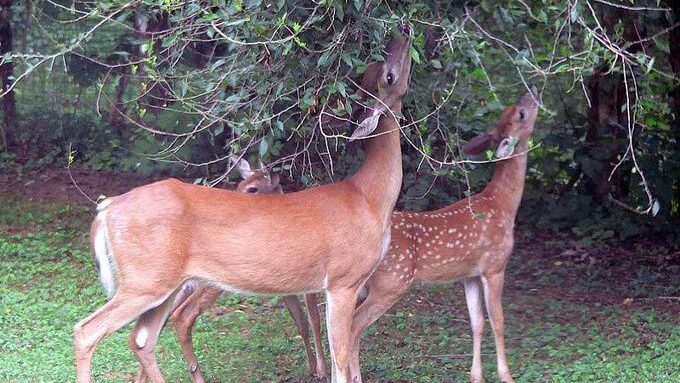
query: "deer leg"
339, 311
493, 291
143, 340
151, 323
119, 311
295, 309
377, 302
315, 321
184, 318
474, 305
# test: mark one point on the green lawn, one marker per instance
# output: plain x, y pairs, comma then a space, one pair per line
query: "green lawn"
565, 321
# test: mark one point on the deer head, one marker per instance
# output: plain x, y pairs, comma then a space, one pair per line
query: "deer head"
382, 88
514, 129
257, 181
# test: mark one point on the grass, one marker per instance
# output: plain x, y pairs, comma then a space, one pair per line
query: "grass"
565, 321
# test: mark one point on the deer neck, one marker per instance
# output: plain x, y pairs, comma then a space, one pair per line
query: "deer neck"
507, 184
379, 177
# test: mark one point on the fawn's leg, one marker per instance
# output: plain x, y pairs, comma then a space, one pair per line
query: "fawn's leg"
383, 292
315, 321
184, 318
295, 309
474, 305
493, 292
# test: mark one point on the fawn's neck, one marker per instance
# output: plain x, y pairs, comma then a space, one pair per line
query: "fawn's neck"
507, 183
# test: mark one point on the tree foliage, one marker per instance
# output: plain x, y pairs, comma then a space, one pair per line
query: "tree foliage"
178, 86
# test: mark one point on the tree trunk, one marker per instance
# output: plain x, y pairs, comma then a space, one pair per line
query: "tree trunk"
8, 104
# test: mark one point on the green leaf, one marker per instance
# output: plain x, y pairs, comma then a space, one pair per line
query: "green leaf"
478, 73
662, 44
655, 208
414, 54
436, 64
233, 98
340, 86
576, 12
650, 65
264, 147
325, 58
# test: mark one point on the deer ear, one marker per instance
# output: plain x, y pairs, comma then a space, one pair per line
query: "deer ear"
480, 144
367, 125
275, 180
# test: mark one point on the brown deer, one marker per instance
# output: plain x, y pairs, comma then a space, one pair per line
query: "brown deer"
152, 240
192, 300
469, 240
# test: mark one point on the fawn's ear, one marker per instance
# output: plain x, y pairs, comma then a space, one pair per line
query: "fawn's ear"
506, 147
275, 182
244, 168
480, 144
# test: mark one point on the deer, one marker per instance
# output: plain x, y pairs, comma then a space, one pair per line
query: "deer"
192, 299
470, 240
152, 240
457, 227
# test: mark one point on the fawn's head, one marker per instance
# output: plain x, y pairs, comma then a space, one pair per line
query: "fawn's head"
257, 181
514, 128
383, 86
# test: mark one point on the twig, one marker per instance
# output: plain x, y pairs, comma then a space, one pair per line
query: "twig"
70, 175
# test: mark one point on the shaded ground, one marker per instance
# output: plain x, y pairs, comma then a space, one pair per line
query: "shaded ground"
55, 185
596, 314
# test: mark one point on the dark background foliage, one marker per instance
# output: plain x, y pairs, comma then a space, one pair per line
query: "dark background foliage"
174, 87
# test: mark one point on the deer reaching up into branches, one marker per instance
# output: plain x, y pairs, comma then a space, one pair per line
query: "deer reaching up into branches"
193, 299
152, 240
470, 240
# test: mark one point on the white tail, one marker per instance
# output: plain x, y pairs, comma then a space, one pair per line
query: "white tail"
330, 238
469, 240
192, 300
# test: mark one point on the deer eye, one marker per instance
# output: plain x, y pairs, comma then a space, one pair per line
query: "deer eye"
252, 190
521, 115
390, 79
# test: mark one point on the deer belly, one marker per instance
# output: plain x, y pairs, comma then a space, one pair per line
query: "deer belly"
263, 271
445, 268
